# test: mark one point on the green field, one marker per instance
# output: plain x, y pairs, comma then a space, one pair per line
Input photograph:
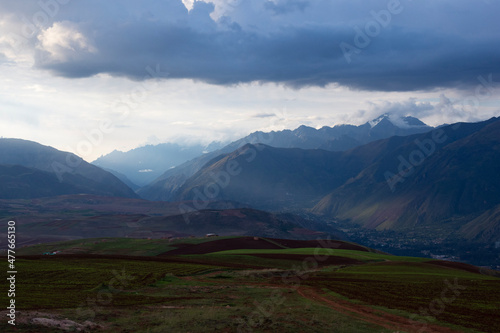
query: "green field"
247, 290
362, 256
118, 246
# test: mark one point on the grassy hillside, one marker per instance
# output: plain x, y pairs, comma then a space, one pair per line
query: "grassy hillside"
264, 286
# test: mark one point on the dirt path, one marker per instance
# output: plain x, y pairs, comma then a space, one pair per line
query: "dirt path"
358, 311
370, 315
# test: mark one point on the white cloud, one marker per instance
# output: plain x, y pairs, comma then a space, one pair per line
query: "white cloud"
63, 42
188, 4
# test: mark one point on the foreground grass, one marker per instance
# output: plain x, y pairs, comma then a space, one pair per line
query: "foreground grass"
425, 292
160, 297
233, 291
58, 282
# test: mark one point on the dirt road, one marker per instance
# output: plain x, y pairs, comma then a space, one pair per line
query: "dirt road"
370, 315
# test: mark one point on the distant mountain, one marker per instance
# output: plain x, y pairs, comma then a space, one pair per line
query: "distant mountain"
268, 178
123, 178
340, 137
163, 187
30, 170
144, 164
447, 179
337, 138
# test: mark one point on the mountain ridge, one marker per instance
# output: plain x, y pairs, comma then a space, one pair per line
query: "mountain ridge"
59, 172
337, 138
457, 180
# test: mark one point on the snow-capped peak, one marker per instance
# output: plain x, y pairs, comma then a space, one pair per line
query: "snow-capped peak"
375, 122
398, 121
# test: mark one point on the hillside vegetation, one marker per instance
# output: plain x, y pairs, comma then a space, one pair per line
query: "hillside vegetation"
263, 285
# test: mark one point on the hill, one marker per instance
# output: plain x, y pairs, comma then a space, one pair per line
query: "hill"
33, 170
87, 216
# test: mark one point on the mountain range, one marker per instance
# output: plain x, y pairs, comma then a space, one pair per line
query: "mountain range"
337, 138
447, 178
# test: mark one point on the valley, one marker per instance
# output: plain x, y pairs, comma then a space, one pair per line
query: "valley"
258, 238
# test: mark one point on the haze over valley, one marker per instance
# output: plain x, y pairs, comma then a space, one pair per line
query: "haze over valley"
250, 166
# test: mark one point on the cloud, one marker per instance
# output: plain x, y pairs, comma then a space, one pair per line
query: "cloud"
445, 110
263, 115
409, 46
402, 109
279, 7
63, 42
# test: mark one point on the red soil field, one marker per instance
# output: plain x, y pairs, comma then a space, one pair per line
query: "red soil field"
223, 245
456, 265
258, 243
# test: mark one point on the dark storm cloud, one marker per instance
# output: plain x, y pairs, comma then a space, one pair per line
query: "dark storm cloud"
286, 6
298, 43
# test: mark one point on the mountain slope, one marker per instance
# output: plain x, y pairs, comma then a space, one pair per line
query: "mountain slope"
268, 177
28, 183
35, 170
485, 228
123, 178
338, 138
442, 179
144, 164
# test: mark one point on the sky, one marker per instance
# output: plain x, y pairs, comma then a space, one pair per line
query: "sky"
93, 76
